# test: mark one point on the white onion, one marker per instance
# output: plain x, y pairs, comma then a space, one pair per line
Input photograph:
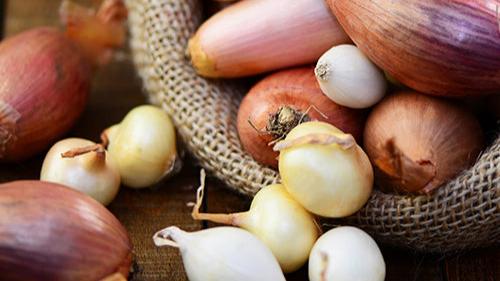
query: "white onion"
93, 172
325, 170
222, 253
349, 78
143, 145
346, 254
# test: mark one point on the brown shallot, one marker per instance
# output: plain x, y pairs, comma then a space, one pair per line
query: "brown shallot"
417, 142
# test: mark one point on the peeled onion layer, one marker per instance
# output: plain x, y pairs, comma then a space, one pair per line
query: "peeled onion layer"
417, 142
257, 36
445, 48
281, 101
51, 232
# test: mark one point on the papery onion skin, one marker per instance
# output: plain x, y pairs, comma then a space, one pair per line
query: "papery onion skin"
51, 232
417, 142
445, 48
256, 36
45, 83
298, 89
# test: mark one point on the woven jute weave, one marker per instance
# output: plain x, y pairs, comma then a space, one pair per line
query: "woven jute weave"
462, 214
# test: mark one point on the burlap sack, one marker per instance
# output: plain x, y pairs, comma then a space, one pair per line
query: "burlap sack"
462, 214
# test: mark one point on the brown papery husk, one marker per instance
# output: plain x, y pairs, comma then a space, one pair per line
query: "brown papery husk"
443, 48
417, 142
51, 232
45, 76
296, 89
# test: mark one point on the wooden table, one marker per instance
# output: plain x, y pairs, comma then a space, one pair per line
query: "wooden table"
116, 90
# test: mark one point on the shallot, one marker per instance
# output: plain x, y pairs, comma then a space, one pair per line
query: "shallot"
417, 142
254, 36
277, 220
346, 253
84, 166
444, 48
349, 78
45, 76
280, 102
51, 232
143, 145
221, 253
324, 169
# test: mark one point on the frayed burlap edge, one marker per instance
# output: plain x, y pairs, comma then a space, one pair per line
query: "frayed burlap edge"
460, 215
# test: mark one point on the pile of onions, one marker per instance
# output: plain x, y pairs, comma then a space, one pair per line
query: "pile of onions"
51, 232
280, 102
445, 48
325, 170
418, 142
255, 36
45, 76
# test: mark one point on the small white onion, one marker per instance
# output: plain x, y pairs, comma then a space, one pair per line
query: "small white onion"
143, 145
349, 78
325, 170
93, 172
279, 221
222, 253
346, 254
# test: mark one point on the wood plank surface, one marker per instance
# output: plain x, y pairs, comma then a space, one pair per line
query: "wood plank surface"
116, 90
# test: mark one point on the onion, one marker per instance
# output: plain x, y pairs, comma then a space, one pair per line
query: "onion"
221, 253
50, 232
277, 220
280, 102
325, 170
346, 253
349, 78
143, 146
255, 36
417, 143
446, 48
45, 78
84, 166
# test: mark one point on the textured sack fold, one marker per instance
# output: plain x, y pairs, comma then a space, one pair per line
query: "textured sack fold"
462, 214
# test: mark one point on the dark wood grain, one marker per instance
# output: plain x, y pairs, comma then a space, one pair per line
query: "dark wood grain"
116, 90
481, 264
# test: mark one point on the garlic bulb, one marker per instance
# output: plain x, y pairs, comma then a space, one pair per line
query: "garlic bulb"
143, 145
324, 169
349, 78
222, 253
345, 254
93, 172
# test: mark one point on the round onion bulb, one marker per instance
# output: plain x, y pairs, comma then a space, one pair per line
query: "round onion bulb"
143, 145
324, 169
346, 253
85, 167
349, 78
